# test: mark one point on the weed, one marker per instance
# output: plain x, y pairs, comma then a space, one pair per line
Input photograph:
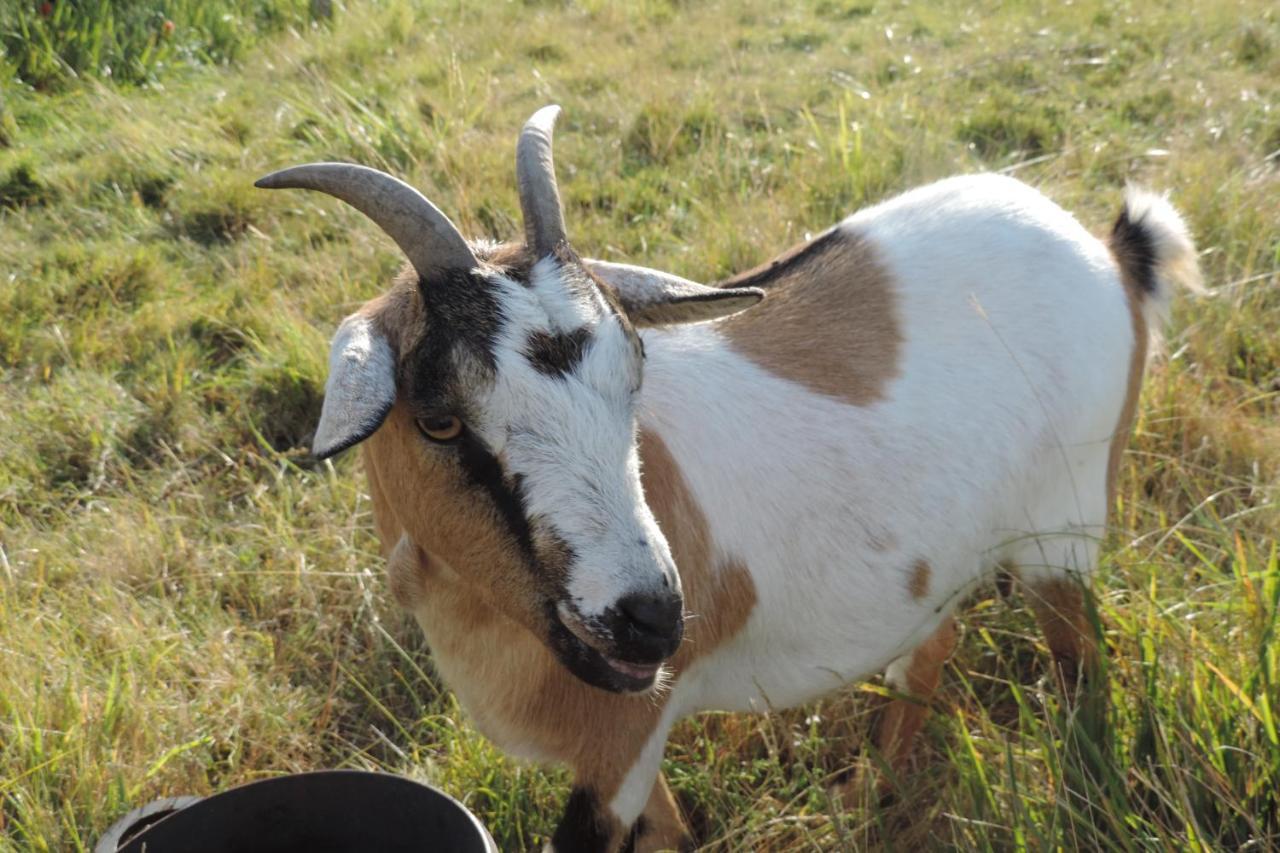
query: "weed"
215, 210
545, 52
8, 125
660, 133
1254, 47
1149, 107
1007, 125
21, 186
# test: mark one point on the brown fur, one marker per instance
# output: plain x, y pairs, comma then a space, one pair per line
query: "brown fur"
433, 502
1060, 611
398, 312
829, 320
903, 718
1134, 295
718, 599
918, 584
512, 259
900, 719
459, 570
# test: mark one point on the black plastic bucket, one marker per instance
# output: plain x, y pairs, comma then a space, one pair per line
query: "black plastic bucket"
332, 811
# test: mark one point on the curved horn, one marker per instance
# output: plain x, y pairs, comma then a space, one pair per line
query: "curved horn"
423, 233
536, 176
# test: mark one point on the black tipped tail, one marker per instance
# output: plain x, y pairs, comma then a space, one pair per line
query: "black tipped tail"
1153, 248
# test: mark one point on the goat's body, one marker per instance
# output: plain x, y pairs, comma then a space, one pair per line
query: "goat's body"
992, 349
992, 438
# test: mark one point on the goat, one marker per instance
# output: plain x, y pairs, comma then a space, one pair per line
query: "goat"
566, 457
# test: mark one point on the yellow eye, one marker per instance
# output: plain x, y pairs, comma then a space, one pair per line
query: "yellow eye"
440, 427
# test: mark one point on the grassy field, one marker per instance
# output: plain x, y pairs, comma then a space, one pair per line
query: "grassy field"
189, 601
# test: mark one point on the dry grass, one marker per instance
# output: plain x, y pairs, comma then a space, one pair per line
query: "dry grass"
189, 601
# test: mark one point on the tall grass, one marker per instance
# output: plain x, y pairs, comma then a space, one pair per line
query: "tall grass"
189, 601
131, 41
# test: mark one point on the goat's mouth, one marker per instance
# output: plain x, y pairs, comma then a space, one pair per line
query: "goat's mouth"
587, 656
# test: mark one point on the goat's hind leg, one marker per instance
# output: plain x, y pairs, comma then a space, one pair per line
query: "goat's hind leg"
1061, 607
916, 677
1055, 573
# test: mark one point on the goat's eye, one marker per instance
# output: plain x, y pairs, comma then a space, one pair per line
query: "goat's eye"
440, 427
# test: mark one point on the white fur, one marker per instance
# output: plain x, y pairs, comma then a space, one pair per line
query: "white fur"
991, 443
569, 438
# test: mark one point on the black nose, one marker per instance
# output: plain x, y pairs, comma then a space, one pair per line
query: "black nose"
653, 617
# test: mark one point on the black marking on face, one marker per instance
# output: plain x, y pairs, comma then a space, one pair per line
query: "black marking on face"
485, 471
568, 257
557, 354
586, 663
463, 318
583, 828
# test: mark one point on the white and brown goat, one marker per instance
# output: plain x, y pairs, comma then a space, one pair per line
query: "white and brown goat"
613, 497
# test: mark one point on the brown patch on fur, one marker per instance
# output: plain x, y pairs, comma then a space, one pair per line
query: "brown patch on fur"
384, 522
918, 584
719, 599
521, 697
1060, 610
829, 321
1134, 296
554, 555
408, 572
902, 719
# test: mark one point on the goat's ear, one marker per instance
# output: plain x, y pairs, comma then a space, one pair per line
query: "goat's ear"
361, 387
654, 298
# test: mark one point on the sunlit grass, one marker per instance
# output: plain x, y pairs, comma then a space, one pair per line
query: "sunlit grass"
189, 601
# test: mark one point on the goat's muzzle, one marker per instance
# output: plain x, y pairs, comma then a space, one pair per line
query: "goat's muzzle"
623, 650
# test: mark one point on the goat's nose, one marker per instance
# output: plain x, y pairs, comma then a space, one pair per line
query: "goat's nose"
657, 615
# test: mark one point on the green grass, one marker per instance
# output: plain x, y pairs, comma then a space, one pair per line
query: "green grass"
47, 44
188, 601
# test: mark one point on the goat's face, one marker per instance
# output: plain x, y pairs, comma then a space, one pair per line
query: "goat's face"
498, 391
518, 467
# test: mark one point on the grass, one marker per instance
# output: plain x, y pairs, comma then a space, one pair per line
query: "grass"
188, 601
47, 44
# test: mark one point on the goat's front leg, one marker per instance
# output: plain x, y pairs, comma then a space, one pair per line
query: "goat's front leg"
621, 805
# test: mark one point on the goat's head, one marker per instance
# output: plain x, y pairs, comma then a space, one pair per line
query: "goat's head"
496, 386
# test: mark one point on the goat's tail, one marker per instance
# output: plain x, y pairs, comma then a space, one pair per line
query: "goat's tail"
1151, 244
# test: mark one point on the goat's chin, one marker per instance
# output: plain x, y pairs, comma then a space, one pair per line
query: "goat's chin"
600, 670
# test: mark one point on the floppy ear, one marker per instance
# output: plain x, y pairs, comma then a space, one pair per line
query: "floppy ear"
654, 298
360, 389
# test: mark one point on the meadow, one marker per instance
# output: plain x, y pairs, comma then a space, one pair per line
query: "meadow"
188, 600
